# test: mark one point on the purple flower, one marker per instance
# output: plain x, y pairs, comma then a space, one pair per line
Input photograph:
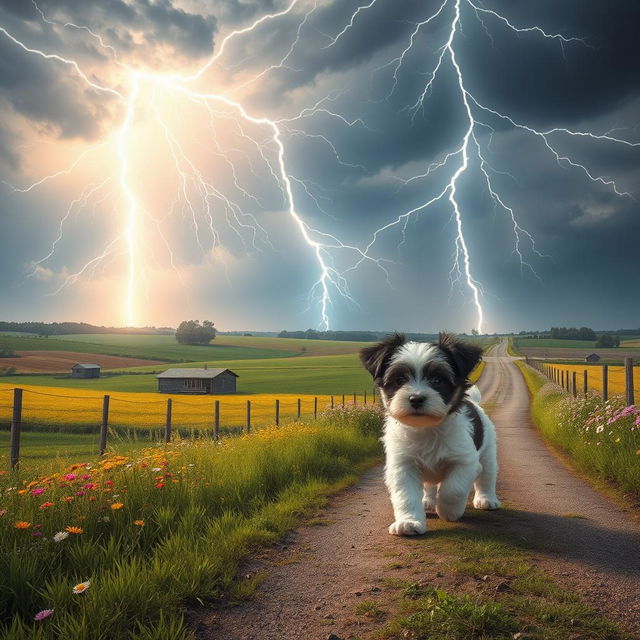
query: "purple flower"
41, 615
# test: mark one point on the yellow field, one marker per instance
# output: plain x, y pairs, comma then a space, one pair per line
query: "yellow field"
594, 377
44, 406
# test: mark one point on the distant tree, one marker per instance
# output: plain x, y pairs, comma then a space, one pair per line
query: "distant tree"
474, 332
6, 352
608, 340
192, 332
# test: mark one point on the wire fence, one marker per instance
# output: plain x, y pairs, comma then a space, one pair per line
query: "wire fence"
603, 379
154, 419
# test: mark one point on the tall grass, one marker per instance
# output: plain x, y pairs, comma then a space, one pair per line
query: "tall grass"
603, 438
167, 527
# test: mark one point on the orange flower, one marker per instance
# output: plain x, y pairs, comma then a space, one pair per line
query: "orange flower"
139, 523
21, 524
159, 485
117, 505
44, 505
76, 530
67, 499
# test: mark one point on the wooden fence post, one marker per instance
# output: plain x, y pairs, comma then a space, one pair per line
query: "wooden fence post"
315, 407
562, 378
104, 427
167, 426
585, 382
354, 398
628, 366
277, 413
248, 416
605, 382
332, 402
216, 421
365, 396
16, 423
299, 408
574, 377
343, 399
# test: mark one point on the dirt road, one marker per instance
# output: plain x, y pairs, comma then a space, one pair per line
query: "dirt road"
316, 577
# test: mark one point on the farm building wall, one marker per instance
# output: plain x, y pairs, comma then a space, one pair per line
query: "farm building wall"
223, 383
84, 373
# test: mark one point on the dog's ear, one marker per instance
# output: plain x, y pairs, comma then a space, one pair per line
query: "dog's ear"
376, 358
463, 356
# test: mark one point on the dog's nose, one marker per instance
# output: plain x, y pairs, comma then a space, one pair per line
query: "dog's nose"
416, 400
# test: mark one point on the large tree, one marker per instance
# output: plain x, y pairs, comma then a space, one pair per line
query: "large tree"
192, 332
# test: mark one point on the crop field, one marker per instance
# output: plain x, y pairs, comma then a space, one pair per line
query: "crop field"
81, 410
594, 377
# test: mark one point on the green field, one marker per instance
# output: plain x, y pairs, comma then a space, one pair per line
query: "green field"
277, 372
152, 347
550, 343
310, 374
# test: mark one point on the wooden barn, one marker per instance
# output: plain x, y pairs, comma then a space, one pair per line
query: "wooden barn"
85, 371
197, 381
592, 357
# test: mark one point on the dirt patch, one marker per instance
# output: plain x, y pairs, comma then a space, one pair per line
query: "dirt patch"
62, 361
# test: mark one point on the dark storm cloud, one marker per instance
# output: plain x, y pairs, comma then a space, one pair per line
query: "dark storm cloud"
588, 231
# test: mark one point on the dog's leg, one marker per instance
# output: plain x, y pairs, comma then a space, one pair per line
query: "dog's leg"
454, 491
404, 482
485, 484
429, 497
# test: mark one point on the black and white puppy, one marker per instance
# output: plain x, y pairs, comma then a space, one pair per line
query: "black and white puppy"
438, 441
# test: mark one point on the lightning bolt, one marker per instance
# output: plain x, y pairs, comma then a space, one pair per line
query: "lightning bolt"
196, 191
469, 150
260, 142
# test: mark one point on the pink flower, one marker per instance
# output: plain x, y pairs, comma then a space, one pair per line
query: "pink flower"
70, 476
41, 615
38, 492
80, 493
89, 486
85, 476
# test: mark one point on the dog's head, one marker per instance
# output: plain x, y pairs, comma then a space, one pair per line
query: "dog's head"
421, 383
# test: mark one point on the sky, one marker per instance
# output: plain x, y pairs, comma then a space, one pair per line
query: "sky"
370, 164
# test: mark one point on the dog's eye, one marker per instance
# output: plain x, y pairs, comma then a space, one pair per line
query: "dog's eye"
400, 380
436, 380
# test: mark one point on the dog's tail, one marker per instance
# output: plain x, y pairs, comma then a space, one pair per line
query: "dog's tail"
474, 393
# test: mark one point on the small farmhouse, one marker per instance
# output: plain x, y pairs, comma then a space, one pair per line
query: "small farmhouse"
592, 357
197, 381
85, 371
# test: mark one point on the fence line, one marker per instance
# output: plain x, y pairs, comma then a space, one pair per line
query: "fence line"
560, 376
104, 419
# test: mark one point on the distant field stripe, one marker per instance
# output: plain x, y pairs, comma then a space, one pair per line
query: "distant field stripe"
594, 377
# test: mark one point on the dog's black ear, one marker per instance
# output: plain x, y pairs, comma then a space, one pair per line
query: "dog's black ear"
463, 356
376, 358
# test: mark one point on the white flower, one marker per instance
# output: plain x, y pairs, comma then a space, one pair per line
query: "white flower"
106, 519
60, 536
156, 469
82, 587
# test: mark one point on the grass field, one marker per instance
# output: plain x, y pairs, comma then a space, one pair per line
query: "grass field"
549, 343
601, 438
114, 549
147, 346
594, 377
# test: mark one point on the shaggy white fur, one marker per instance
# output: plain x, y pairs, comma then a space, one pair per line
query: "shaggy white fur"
431, 435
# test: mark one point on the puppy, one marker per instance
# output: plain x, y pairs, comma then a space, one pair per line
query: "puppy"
438, 441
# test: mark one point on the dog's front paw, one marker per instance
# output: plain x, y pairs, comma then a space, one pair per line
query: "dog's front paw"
407, 528
486, 502
429, 504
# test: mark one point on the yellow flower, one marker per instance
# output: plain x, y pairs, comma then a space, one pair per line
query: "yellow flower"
139, 523
117, 505
76, 530
21, 524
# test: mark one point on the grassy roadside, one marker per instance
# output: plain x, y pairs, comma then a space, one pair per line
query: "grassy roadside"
468, 581
601, 439
164, 528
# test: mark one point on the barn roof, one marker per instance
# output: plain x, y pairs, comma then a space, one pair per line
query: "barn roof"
86, 366
193, 373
